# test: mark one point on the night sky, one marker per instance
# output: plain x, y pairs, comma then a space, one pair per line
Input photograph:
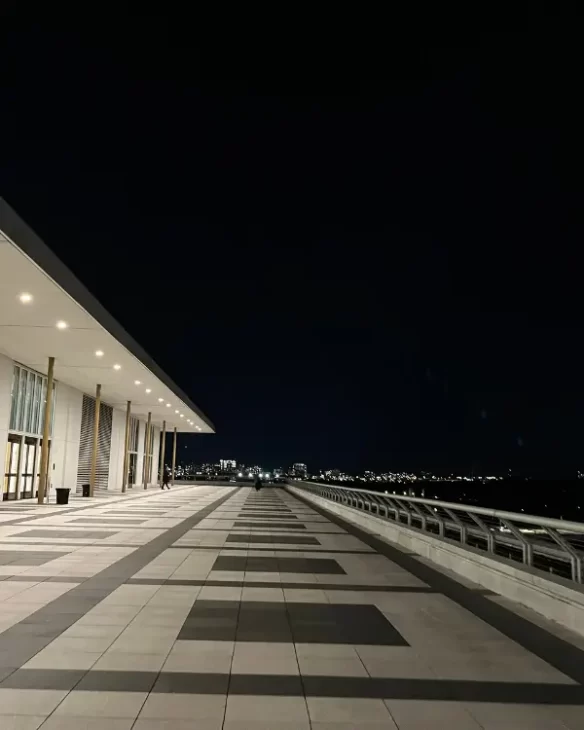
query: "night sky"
362, 257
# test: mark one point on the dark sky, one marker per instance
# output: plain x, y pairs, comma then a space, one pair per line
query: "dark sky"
362, 256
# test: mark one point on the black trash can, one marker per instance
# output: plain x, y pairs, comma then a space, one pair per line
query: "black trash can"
63, 495
86, 490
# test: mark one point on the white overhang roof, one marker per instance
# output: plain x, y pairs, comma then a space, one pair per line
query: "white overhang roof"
29, 333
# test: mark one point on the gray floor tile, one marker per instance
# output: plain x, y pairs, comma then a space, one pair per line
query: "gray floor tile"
348, 710
101, 704
192, 707
57, 722
21, 722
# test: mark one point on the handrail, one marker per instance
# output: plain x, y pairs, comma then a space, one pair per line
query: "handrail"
486, 511
545, 543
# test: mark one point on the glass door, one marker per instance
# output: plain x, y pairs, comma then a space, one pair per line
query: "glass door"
37, 469
29, 462
11, 467
132, 470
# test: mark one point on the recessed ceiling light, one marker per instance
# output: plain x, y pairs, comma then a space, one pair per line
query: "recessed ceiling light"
61, 325
137, 382
117, 367
181, 415
25, 297
161, 400
168, 405
99, 353
176, 411
149, 390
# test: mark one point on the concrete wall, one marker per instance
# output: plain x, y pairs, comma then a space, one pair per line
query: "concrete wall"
555, 598
155, 456
116, 465
65, 441
66, 434
6, 370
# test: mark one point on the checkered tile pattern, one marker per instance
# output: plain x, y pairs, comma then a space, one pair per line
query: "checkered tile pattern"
226, 608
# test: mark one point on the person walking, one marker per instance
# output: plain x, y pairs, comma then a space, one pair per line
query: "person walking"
258, 483
165, 480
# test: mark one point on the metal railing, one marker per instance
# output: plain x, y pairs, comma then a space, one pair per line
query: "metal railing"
555, 546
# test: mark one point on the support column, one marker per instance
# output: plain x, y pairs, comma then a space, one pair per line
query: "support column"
126, 447
93, 473
42, 486
162, 450
146, 461
173, 457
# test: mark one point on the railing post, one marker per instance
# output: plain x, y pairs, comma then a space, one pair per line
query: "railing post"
461, 526
486, 530
438, 519
527, 547
575, 556
421, 515
406, 510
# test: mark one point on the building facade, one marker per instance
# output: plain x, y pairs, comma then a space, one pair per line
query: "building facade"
22, 395
52, 330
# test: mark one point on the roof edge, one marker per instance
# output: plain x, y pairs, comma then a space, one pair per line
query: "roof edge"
34, 247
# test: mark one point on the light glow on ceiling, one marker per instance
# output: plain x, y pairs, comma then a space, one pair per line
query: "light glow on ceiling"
117, 367
99, 353
61, 325
25, 297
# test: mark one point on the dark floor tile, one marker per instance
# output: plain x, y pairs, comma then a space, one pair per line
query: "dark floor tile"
215, 609
263, 515
68, 534
342, 624
103, 681
64, 679
104, 521
269, 525
192, 683
321, 566
28, 557
277, 539
207, 633
272, 634
251, 684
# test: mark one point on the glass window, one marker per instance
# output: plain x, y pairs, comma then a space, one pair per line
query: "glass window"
14, 396
134, 431
26, 421
36, 406
29, 392
22, 398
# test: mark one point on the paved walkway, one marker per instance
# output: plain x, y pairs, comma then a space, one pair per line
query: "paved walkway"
211, 607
